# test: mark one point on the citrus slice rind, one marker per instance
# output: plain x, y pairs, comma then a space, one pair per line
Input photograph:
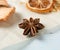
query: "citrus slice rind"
47, 9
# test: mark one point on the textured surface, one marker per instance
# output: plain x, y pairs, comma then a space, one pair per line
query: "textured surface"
48, 42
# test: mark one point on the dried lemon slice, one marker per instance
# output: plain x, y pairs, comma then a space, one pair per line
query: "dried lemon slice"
40, 6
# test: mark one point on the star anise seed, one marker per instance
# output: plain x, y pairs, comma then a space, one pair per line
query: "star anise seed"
31, 26
26, 31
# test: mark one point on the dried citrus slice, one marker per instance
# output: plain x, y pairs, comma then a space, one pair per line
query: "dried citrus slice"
56, 5
40, 6
58, 1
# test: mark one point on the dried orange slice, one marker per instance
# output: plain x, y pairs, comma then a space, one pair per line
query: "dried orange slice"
58, 1
40, 6
57, 4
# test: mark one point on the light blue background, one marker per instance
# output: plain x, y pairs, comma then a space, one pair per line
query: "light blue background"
46, 42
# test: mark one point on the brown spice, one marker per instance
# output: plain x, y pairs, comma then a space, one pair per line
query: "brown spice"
31, 26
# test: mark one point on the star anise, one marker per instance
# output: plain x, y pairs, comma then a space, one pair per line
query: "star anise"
31, 26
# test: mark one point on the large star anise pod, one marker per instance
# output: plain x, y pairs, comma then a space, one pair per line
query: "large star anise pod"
31, 26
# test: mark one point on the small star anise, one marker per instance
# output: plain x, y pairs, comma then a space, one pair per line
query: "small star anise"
31, 26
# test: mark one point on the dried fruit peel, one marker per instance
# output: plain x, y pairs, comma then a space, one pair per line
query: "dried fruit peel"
52, 7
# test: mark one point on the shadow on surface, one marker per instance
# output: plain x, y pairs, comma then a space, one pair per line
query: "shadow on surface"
43, 32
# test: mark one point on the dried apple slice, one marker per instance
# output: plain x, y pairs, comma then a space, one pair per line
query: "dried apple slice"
3, 3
